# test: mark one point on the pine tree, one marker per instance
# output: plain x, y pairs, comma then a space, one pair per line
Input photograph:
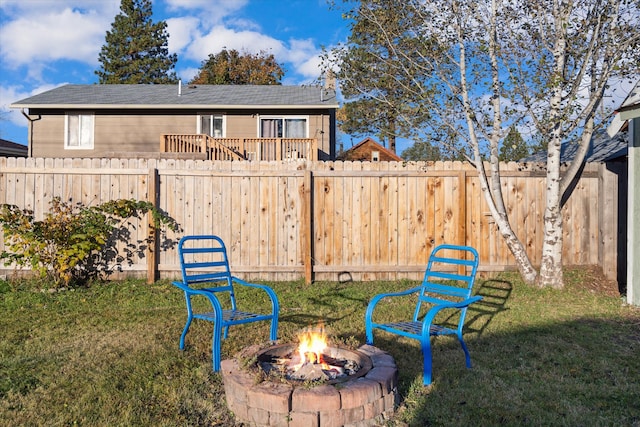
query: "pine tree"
235, 68
513, 147
135, 50
422, 151
372, 71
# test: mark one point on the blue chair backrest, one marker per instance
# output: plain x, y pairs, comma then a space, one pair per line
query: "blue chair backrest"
203, 259
449, 276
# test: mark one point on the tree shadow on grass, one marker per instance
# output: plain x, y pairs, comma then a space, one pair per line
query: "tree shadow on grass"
576, 372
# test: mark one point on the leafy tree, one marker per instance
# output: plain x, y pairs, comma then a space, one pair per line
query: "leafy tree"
135, 50
546, 64
422, 150
230, 67
75, 243
372, 72
513, 147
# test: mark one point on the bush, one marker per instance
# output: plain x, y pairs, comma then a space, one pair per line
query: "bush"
75, 243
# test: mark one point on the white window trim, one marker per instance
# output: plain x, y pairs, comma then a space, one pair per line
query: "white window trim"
260, 117
224, 122
66, 130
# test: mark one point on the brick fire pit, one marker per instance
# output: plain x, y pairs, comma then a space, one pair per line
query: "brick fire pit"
360, 401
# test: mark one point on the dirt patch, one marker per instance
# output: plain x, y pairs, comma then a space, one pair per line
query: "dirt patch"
593, 279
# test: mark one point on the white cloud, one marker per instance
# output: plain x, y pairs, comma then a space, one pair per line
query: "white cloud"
300, 54
224, 6
11, 94
301, 50
182, 31
187, 74
209, 12
37, 35
221, 37
50, 36
310, 68
36, 7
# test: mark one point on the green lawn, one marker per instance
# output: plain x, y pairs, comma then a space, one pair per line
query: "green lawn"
108, 355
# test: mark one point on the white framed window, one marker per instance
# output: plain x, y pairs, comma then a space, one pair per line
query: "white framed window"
375, 156
283, 127
212, 124
78, 131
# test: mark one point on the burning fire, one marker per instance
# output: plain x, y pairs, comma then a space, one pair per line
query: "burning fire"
312, 344
312, 360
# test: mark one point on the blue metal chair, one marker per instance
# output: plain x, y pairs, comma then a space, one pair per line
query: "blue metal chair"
447, 284
204, 263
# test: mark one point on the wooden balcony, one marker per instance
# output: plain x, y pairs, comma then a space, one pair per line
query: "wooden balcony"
240, 148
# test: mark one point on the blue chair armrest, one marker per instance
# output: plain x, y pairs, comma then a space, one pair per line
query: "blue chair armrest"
460, 304
376, 299
275, 306
215, 304
433, 311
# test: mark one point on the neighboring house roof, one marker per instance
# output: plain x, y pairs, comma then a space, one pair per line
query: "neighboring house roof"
12, 149
603, 148
362, 152
118, 96
629, 109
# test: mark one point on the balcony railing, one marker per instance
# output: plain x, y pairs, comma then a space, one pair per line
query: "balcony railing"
240, 148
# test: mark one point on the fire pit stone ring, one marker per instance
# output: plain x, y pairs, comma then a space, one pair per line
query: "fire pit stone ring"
359, 400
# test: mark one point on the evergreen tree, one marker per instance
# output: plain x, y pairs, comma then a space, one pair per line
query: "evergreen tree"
422, 151
135, 50
232, 67
513, 147
372, 71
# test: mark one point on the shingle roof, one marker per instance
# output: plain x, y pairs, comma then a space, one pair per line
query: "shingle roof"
9, 148
603, 148
167, 96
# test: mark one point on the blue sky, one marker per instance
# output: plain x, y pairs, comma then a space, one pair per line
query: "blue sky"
47, 43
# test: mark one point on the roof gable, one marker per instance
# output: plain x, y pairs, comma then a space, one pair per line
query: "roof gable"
362, 151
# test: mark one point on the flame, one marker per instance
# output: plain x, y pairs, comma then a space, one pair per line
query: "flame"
312, 344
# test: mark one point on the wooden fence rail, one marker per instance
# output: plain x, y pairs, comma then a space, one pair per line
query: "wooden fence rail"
324, 220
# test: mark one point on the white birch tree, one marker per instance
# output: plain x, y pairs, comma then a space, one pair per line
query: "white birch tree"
543, 64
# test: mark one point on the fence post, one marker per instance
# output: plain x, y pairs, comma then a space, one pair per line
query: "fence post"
462, 212
152, 238
608, 222
307, 226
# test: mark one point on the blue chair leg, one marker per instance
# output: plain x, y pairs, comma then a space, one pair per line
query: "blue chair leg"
274, 329
369, 334
184, 332
216, 346
467, 356
426, 356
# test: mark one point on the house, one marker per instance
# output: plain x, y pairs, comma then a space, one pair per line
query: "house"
218, 122
369, 150
604, 149
12, 149
627, 119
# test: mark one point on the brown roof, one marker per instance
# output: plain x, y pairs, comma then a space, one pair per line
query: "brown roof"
362, 152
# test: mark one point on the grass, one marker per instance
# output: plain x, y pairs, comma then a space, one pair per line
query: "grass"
108, 355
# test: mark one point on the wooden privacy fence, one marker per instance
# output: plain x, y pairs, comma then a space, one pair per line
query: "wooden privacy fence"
324, 220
